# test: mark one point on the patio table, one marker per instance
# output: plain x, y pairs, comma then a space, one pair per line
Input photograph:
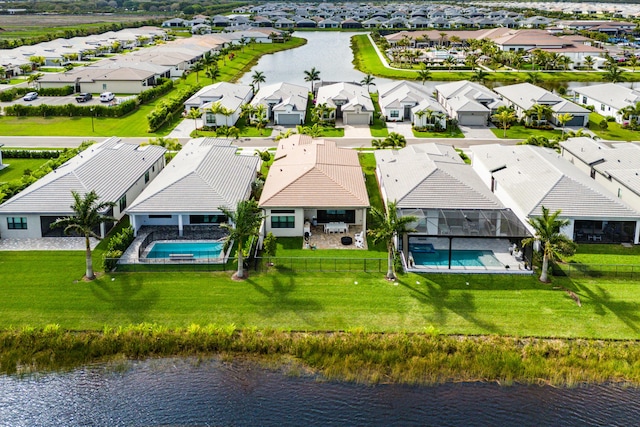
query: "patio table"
336, 227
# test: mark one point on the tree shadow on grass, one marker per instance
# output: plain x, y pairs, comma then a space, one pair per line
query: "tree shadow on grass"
439, 298
125, 295
280, 297
628, 312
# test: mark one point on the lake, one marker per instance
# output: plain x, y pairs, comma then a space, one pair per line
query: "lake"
186, 391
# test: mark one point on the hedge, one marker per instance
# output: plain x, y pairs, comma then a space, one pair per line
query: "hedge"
116, 247
30, 154
72, 110
16, 92
154, 92
165, 110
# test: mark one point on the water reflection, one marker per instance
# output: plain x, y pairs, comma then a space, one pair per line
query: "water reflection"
211, 392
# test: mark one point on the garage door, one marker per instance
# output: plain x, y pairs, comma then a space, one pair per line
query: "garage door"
356, 119
575, 121
288, 119
472, 119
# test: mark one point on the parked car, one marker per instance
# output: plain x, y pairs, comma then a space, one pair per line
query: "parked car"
30, 96
107, 96
84, 97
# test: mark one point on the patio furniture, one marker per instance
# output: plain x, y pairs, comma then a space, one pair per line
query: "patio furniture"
336, 227
346, 240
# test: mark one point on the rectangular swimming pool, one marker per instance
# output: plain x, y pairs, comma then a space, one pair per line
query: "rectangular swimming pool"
199, 250
459, 258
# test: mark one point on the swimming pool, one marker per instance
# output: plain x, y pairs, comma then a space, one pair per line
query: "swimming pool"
459, 258
198, 250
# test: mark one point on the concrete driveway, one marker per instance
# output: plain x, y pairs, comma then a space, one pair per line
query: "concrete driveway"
355, 131
477, 132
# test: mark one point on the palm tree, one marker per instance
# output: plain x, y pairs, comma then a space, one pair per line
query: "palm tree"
443, 37
633, 62
542, 112
311, 76
505, 117
258, 77
243, 224
213, 73
449, 62
196, 68
260, 114
613, 74
479, 75
589, 62
424, 74
552, 243
218, 108
541, 141
563, 119
388, 225
533, 78
33, 78
322, 112
87, 216
630, 112
194, 114
368, 81
246, 111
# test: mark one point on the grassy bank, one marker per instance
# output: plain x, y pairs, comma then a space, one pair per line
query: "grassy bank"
367, 60
352, 356
135, 124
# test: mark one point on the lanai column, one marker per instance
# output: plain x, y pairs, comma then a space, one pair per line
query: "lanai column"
132, 218
180, 229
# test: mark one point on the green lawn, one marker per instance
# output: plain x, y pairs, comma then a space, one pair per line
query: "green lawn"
135, 124
615, 132
17, 167
379, 127
520, 132
41, 288
457, 133
606, 254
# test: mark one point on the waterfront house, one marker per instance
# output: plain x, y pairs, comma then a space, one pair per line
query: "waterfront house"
351, 103
228, 95
403, 100
470, 103
608, 99
286, 103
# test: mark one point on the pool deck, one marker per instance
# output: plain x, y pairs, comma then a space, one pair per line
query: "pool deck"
499, 247
130, 256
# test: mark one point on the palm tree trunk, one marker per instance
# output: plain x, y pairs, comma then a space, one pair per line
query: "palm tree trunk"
544, 277
505, 131
89, 272
240, 273
390, 273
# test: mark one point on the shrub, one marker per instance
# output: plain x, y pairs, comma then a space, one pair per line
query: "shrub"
165, 110
270, 244
154, 92
604, 125
31, 154
610, 119
71, 110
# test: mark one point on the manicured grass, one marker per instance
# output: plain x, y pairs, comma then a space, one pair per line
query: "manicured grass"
379, 127
17, 167
367, 61
332, 132
521, 132
615, 132
606, 254
135, 124
457, 133
41, 288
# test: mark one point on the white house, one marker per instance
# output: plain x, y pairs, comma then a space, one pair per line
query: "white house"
118, 172
286, 103
608, 99
526, 178
403, 100
351, 103
469, 103
205, 175
228, 95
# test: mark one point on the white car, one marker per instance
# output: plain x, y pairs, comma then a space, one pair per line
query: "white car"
30, 96
107, 96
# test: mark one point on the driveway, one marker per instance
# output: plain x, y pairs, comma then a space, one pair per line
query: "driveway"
403, 128
477, 132
356, 131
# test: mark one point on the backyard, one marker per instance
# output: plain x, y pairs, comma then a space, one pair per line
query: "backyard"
17, 167
614, 131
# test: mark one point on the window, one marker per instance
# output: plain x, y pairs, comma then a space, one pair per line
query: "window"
122, 203
153, 168
283, 221
619, 193
207, 219
146, 177
584, 99
211, 118
104, 86
601, 107
593, 173
394, 114
17, 223
282, 211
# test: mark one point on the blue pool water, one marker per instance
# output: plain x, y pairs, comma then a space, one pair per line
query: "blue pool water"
199, 250
459, 258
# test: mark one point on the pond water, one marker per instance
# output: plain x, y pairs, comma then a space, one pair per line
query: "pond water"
186, 392
330, 52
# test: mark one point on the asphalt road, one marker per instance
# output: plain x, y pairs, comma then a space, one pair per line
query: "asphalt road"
72, 142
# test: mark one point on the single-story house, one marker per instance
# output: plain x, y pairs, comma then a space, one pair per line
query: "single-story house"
229, 95
403, 100
608, 99
205, 175
313, 181
352, 103
286, 103
616, 167
523, 96
468, 102
526, 178
118, 172
455, 211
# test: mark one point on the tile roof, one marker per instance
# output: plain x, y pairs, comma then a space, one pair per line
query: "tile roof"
534, 177
432, 176
612, 94
109, 168
206, 174
314, 173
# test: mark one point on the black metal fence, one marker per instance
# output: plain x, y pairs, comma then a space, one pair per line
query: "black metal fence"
594, 271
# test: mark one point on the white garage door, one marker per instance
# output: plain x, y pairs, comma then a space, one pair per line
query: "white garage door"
470, 119
356, 119
288, 119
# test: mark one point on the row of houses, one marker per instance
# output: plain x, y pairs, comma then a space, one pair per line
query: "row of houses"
136, 71
484, 206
